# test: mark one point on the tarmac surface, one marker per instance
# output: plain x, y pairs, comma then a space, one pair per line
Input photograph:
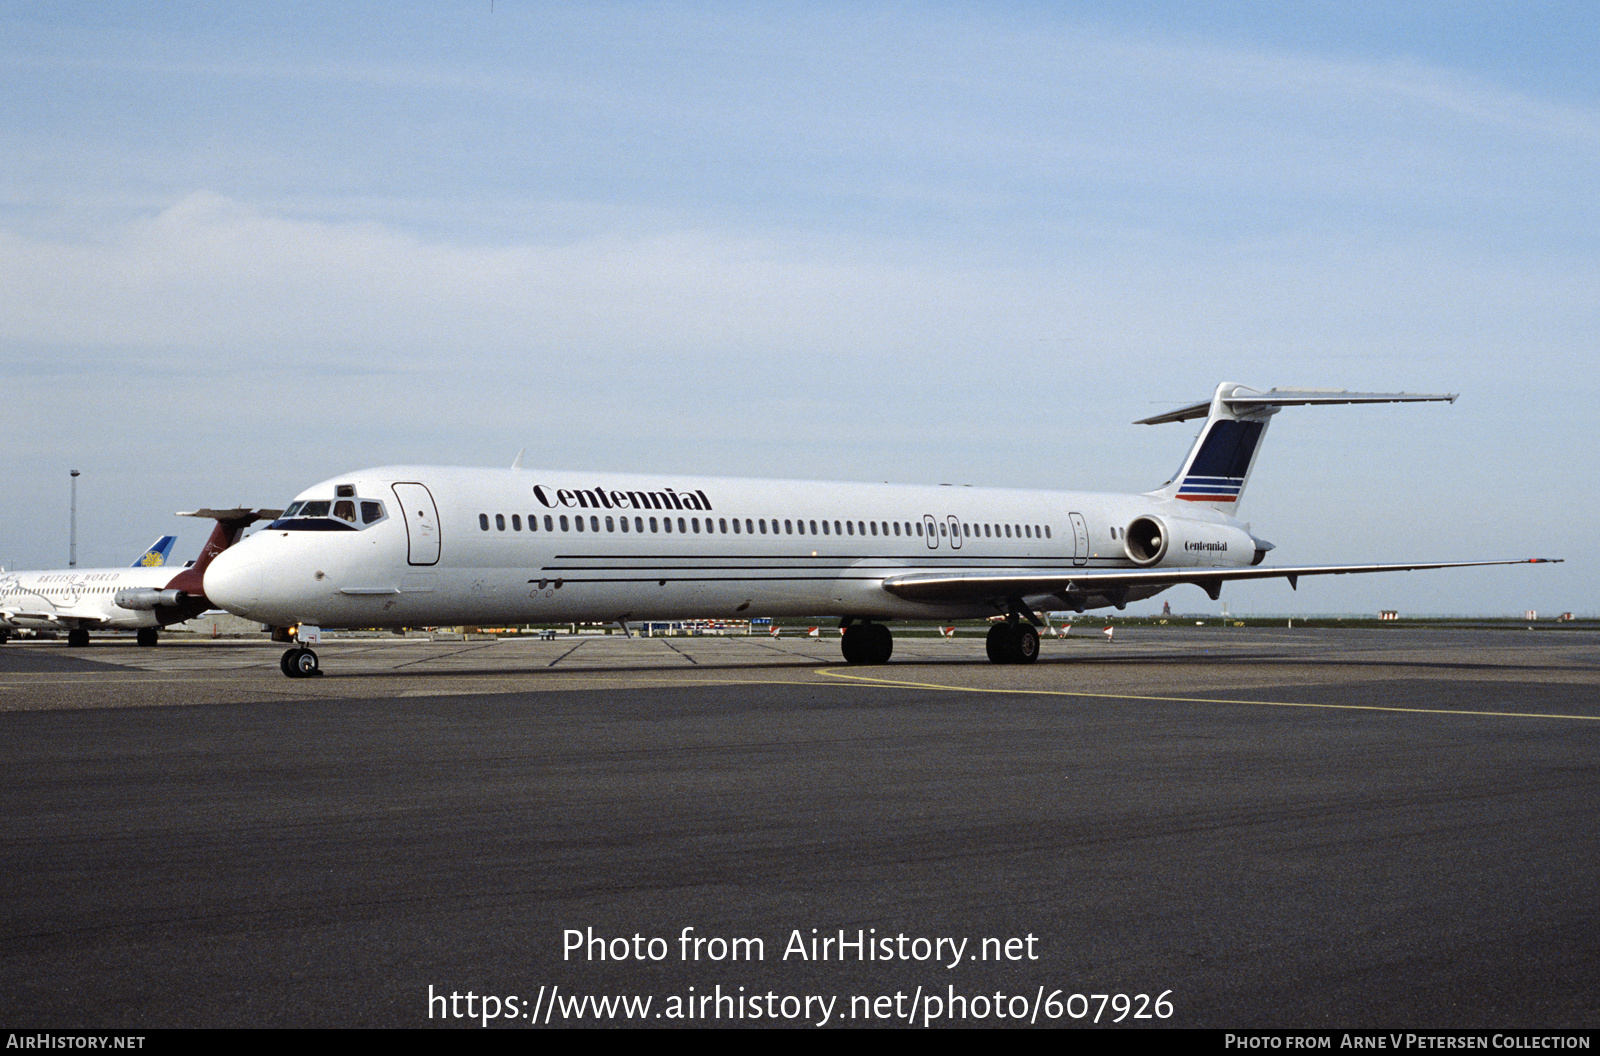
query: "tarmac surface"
1214, 827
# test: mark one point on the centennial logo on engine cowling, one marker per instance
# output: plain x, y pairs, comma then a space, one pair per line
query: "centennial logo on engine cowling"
1205, 546
601, 499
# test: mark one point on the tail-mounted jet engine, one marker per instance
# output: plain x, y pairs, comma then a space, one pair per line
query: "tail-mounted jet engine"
1174, 542
148, 599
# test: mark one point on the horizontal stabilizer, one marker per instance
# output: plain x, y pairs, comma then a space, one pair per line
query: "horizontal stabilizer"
1246, 401
238, 513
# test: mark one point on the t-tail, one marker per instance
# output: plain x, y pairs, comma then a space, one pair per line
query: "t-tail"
1218, 465
158, 553
184, 595
230, 528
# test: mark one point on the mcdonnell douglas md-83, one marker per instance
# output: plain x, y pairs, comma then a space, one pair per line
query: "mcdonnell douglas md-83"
402, 546
142, 599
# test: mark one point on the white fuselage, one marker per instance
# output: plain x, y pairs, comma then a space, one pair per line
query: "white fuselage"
404, 546
69, 598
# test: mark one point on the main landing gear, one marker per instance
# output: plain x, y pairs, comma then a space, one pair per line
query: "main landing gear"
299, 663
1012, 643
866, 643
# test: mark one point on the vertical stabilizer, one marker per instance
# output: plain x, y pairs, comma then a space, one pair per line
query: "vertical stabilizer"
1218, 465
158, 553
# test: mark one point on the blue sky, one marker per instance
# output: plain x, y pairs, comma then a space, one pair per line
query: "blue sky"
247, 247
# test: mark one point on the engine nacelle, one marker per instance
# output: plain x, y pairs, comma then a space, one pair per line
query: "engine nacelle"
146, 599
1176, 542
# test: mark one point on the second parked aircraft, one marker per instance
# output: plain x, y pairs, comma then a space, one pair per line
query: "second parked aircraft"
142, 598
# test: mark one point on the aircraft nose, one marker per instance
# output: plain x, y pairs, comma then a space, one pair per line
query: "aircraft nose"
233, 581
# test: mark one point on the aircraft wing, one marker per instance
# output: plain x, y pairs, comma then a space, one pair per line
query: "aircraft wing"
1002, 584
47, 620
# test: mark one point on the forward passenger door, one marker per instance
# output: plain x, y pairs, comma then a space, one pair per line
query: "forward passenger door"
422, 522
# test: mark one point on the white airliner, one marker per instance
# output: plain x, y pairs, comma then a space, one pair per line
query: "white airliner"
143, 598
401, 546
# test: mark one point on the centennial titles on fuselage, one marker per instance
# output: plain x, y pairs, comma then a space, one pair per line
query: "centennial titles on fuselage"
601, 499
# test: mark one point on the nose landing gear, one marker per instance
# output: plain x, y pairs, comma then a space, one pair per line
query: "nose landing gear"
299, 663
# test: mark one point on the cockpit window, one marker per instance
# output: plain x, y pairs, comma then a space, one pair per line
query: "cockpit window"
344, 514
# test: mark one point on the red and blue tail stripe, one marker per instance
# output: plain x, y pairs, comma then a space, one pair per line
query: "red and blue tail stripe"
1196, 488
